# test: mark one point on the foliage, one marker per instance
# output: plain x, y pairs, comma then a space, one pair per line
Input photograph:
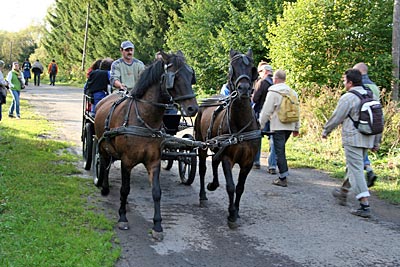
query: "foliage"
192, 33
316, 41
46, 217
20, 45
110, 22
206, 39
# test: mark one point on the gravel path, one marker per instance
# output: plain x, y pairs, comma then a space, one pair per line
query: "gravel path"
300, 225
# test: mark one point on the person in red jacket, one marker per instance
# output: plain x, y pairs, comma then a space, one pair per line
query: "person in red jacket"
52, 70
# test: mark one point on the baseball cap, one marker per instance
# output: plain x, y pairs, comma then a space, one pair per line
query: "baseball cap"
127, 44
264, 67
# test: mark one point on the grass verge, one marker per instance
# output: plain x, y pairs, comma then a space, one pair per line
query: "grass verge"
48, 215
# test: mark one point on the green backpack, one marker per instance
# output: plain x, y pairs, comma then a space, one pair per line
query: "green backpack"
289, 110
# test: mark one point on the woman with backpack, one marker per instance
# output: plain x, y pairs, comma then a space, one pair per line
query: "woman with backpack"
52, 70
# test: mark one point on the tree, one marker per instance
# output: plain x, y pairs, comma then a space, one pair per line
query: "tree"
191, 31
316, 41
395, 50
246, 28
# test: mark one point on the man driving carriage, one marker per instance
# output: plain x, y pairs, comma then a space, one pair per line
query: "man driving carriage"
125, 70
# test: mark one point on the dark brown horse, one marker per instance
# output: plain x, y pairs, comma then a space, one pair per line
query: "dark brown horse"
230, 129
128, 127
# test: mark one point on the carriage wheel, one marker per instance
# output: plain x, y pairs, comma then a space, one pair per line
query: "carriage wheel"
95, 163
187, 165
166, 164
87, 145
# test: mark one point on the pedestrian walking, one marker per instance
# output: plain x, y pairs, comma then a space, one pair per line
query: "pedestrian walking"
37, 69
280, 129
16, 82
354, 142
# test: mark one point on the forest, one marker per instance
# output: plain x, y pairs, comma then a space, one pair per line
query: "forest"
314, 41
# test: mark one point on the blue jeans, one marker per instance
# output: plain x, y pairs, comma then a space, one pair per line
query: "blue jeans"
15, 103
97, 96
280, 139
52, 78
366, 160
36, 78
272, 155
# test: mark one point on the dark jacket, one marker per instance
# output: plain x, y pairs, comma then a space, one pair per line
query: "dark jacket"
260, 93
98, 81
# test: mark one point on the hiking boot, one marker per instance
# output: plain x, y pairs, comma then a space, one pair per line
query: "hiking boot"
280, 182
272, 171
364, 212
341, 196
371, 178
256, 166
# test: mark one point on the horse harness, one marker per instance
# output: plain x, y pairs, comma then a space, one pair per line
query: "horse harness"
221, 141
167, 79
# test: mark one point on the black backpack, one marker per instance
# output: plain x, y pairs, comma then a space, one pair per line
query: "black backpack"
370, 121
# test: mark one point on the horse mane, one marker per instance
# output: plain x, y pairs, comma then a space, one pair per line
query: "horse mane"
152, 74
148, 77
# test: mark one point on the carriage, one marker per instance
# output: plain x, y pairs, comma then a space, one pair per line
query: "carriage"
132, 127
173, 149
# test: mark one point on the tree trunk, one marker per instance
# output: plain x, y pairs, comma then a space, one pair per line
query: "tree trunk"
395, 50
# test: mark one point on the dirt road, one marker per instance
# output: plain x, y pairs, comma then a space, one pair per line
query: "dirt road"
300, 225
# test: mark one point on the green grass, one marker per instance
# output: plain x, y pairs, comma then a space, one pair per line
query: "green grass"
47, 215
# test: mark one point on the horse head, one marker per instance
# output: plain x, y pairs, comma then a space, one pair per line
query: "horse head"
177, 80
242, 73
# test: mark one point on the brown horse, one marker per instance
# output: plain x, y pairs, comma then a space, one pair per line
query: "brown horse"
230, 129
129, 127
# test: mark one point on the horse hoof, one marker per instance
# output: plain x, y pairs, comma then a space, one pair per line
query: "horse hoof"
105, 191
212, 187
123, 226
204, 203
158, 236
233, 225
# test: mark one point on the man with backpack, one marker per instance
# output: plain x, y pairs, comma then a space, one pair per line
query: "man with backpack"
355, 143
52, 70
283, 122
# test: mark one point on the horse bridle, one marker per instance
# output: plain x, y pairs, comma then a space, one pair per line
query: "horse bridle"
235, 83
168, 79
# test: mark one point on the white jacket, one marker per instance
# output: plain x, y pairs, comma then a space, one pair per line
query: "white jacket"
271, 107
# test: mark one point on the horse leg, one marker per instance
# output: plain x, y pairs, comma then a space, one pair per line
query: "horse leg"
157, 231
124, 192
244, 172
202, 173
215, 183
230, 189
105, 162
